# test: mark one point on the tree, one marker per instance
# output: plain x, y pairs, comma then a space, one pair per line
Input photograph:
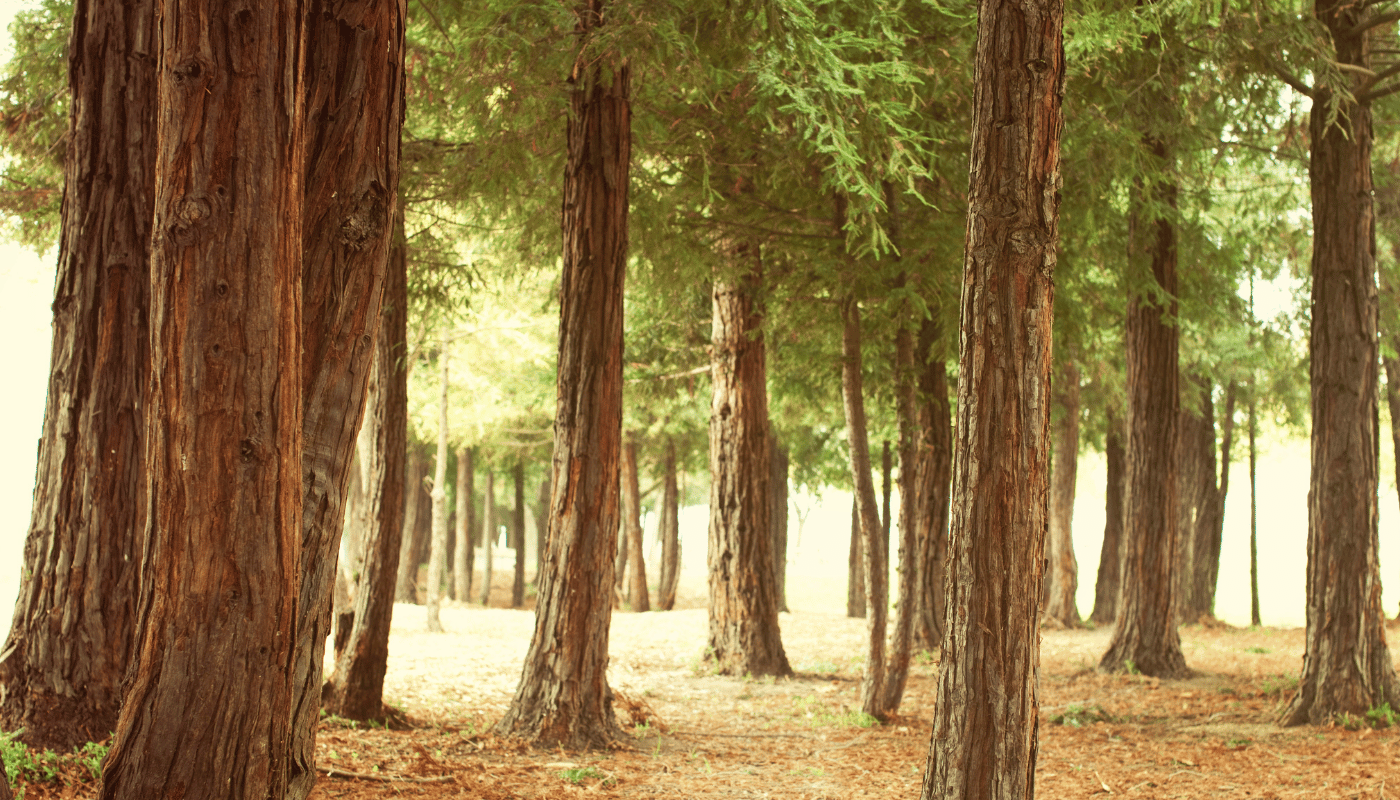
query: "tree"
669, 528
5, 793
466, 524
210, 707
83, 551
1346, 665
778, 524
744, 637
1063, 578
356, 686
632, 522
517, 530
933, 475
405, 586
984, 730
437, 554
1106, 584
563, 697
488, 536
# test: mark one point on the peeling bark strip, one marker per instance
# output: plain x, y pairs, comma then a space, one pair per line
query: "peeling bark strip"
1346, 666
563, 698
744, 636
63, 682
985, 720
209, 709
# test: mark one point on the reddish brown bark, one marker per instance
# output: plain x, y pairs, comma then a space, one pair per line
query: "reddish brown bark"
1062, 579
210, 708
74, 622
669, 525
985, 720
934, 472
563, 696
1346, 665
632, 520
906, 405
517, 532
744, 637
406, 582
356, 687
1144, 635
1106, 586
778, 480
855, 569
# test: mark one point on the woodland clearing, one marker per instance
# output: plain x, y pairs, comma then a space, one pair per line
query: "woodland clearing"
695, 735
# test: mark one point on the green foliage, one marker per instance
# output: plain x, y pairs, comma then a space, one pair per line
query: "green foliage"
1077, 716
30, 766
1277, 685
579, 776
34, 124
1382, 716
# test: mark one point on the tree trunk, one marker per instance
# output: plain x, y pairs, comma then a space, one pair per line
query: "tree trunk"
437, 553
985, 719
405, 587
868, 514
74, 622
622, 592
5, 793
563, 698
1346, 665
1210, 520
855, 567
466, 524
1145, 637
517, 589
1254, 618
744, 637
670, 530
1106, 586
632, 521
1196, 492
356, 687
541, 528
1062, 582
934, 473
209, 710
906, 403
488, 536
778, 522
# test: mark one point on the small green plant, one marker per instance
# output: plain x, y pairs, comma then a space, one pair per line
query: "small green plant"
1130, 666
1077, 716
90, 755
1273, 685
1349, 722
1236, 744
1259, 650
578, 775
1382, 716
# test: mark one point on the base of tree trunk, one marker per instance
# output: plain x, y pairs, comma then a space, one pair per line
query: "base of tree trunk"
54, 722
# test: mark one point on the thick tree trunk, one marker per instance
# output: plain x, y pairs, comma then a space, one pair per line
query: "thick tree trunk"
1144, 632
934, 473
437, 552
466, 524
405, 586
868, 514
855, 567
985, 720
744, 637
670, 530
1107, 584
74, 622
1346, 665
632, 521
778, 522
1063, 579
488, 536
517, 529
209, 711
563, 696
356, 687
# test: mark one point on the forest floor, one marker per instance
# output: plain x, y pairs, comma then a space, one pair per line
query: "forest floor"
695, 735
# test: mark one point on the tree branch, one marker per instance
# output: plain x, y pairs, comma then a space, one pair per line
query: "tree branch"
1374, 22
1288, 77
1376, 94
1363, 94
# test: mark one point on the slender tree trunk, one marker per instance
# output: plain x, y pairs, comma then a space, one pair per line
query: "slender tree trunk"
1254, 618
669, 526
632, 519
855, 567
466, 524
437, 553
985, 720
1196, 491
1144, 631
405, 587
517, 589
564, 697
488, 536
1062, 582
1210, 522
744, 637
906, 404
622, 592
934, 473
209, 709
541, 528
356, 687
74, 623
1347, 667
778, 469
875, 569
1106, 586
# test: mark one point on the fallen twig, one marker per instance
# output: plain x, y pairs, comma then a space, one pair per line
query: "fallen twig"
336, 772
